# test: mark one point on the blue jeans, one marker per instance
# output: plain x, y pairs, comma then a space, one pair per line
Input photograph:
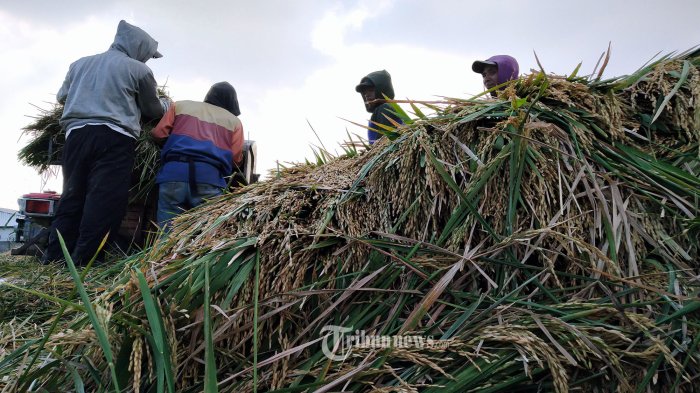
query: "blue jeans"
175, 198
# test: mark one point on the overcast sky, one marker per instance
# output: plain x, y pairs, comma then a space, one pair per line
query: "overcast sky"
298, 61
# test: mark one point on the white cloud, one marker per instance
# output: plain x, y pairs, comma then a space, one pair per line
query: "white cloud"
187, 89
35, 60
329, 33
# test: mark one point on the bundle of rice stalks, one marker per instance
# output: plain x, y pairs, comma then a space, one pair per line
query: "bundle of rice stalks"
46, 145
541, 241
44, 149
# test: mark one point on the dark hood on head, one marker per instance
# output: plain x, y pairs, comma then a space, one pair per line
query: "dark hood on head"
381, 81
135, 42
223, 95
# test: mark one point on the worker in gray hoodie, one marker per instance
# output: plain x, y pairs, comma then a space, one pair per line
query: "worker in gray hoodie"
106, 97
373, 88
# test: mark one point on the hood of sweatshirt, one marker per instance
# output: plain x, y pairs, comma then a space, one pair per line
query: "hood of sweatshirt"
381, 80
223, 95
136, 43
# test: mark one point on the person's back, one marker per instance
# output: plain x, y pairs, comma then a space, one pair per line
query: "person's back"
203, 141
115, 86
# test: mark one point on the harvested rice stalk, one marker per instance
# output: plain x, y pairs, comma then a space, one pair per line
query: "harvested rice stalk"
542, 238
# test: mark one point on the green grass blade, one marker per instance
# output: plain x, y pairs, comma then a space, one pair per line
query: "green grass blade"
65, 305
687, 309
417, 111
158, 336
255, 321
681, 80
78, 384
102, 336
236, 283
210, 383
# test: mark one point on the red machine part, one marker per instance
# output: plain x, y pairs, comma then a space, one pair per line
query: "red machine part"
39, 203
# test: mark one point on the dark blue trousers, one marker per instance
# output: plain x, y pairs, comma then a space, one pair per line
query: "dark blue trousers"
97, 166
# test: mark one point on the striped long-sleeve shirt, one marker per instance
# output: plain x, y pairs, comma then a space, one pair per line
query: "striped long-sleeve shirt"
209, 135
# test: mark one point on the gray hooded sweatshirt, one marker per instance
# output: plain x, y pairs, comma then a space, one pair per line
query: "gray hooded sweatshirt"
115, 87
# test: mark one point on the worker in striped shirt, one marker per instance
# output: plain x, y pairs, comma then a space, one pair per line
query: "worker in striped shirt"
203, 143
